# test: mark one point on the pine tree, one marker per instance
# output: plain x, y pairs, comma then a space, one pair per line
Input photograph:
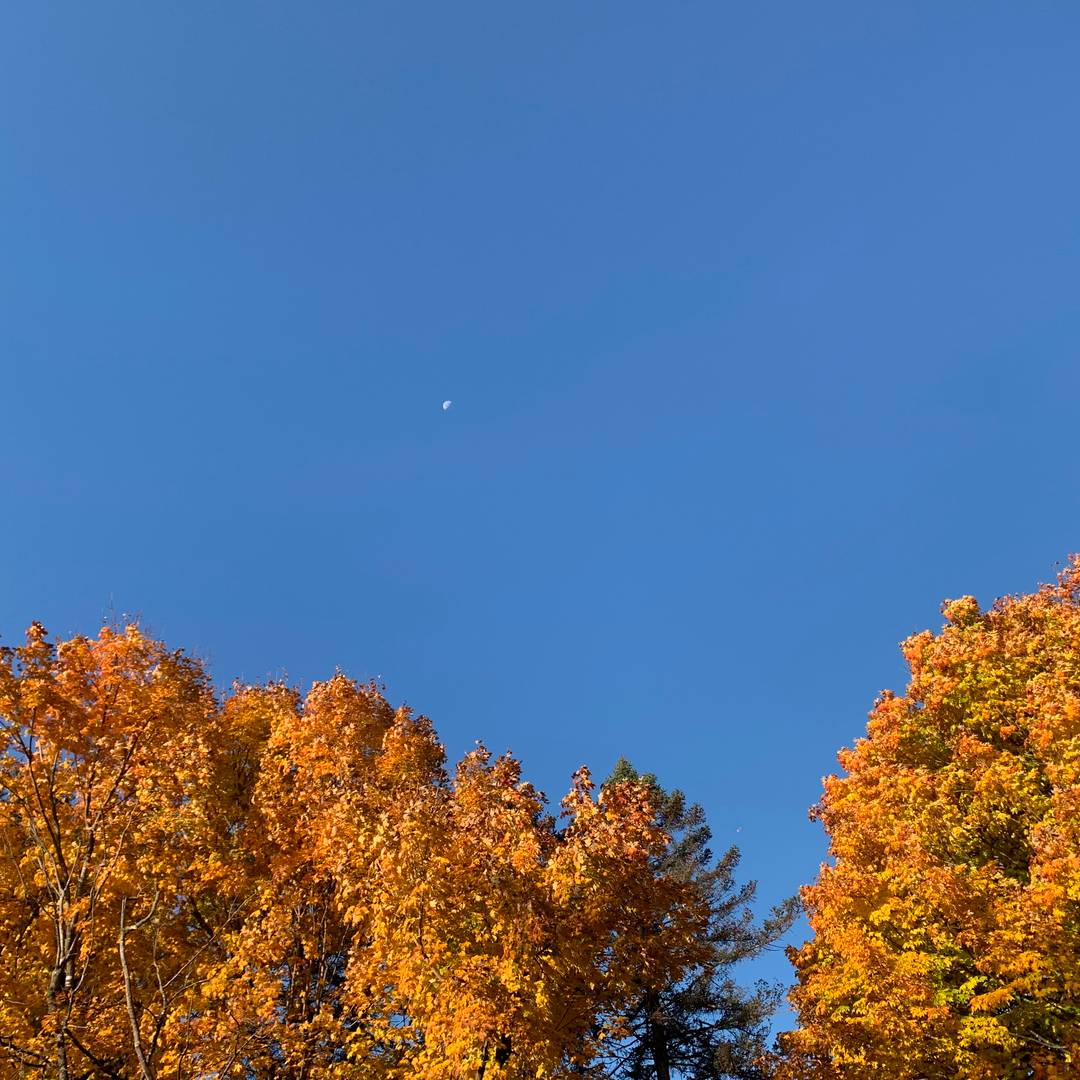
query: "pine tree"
705, 1026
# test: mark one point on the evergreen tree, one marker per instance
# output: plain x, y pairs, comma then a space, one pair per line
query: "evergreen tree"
706, 1026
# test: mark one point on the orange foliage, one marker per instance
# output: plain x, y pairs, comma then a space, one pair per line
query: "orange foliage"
273, 886
947, 931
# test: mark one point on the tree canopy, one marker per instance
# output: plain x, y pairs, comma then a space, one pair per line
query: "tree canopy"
269, 884
947, 928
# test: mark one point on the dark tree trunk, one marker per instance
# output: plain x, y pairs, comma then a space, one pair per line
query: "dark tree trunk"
658, 1037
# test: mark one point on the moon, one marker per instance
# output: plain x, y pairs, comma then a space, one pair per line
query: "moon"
446, 405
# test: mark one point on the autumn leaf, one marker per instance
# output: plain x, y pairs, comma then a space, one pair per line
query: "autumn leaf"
946, 926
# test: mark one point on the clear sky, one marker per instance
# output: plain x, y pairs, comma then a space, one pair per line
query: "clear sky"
761, 324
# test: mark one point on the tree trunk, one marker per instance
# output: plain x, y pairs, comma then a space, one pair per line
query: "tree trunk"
658, 1036
61, 1053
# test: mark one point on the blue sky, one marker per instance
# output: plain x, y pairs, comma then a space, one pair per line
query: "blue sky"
761, 324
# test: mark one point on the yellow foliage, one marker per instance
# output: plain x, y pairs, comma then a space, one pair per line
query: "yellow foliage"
947, 928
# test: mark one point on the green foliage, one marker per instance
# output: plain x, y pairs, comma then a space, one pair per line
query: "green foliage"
704, 1026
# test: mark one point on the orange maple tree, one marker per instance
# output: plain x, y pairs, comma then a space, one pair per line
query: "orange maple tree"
947, 929
264, 884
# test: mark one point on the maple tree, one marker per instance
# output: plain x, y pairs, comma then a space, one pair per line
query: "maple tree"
269, 884
947, 929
